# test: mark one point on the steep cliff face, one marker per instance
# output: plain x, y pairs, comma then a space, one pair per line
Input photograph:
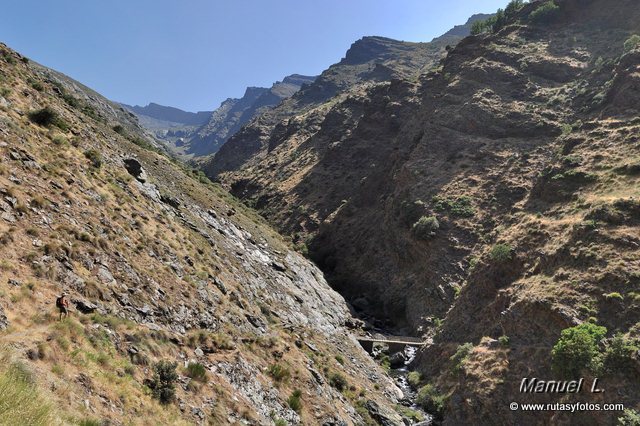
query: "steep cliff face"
519, 152
306, 162
157, 265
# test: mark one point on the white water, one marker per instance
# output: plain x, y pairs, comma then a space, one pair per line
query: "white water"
399, 375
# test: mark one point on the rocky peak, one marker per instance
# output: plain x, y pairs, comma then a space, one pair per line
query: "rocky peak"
372, 48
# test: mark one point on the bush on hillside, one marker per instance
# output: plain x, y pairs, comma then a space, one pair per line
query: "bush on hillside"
631, 43
498, 21
279, 372
431, 401
457, 206
461, 355
501, 253
544, 13
630, 417
338, 381
294, 401
95, 158
618, 356
577, 349
47, 117
197, 372
163, 382
425, 227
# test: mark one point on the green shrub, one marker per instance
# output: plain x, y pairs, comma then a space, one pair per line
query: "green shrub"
630, 417
163, 382
119, 129
614, 296
414, 416
461, 356
618, 355
294, 401
70, 100
431, 401
425, 227
631, 43
95, 157
20, 401
48, 117
338, 381
500, 253
577, 349
414, 379
279, 372
458, 206
197, 372
545, 12
503, 340
59, 140
37, 85
340, 359
498, 21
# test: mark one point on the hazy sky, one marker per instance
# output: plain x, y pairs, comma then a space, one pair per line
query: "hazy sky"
193, 54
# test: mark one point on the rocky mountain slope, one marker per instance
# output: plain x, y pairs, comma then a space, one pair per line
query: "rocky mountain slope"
369, 62
235, 113
159, 265
281, 162
493, 202
192, 135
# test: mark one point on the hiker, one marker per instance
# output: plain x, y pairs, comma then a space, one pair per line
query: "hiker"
63, 305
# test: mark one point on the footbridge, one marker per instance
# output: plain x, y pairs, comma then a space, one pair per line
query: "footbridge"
395, 343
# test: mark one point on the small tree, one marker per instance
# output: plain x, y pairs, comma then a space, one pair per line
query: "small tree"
163, 382
577, 349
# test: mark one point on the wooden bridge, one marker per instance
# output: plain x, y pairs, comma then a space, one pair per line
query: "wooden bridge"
395, 343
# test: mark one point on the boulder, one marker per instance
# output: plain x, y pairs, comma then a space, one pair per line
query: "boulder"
85, 306
135, 169
381, 415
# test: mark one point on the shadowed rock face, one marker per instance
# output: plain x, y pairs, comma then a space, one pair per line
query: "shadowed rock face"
521, 139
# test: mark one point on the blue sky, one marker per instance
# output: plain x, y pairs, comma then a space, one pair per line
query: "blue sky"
193, 54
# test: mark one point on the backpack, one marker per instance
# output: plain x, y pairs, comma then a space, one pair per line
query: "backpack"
59, 303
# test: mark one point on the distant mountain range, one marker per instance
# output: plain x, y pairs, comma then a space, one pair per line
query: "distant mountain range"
190, 134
